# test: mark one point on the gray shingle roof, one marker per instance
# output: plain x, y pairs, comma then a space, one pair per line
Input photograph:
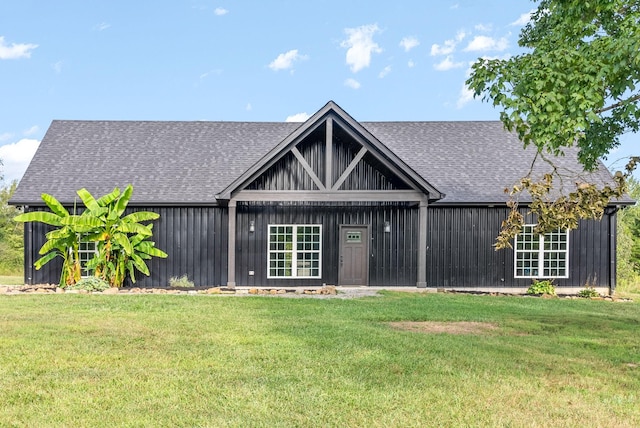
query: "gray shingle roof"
190, 162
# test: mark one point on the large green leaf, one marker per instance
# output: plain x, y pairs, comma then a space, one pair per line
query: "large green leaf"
87, 222
122, 240
55, 244
109, 197
140, 216
88, 200
54, 205
40, 216
123, 200
44, 260
148, 247
140, 264
134, 228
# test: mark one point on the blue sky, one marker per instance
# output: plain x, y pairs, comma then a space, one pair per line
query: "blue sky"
244, 61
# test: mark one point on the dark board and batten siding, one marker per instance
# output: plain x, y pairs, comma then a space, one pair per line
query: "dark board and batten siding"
459, 246
392, 256
195, 239
460, 250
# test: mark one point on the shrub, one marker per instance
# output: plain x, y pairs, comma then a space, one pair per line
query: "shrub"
588, 292
90, 283
542, 287
182, 282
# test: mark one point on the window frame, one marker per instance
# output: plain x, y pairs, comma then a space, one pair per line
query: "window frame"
548, 244
90, 253
295, 251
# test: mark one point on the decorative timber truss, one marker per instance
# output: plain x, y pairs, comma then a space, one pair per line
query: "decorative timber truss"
330, 158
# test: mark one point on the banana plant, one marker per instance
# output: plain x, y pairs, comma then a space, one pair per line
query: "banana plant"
61, 242
122, 243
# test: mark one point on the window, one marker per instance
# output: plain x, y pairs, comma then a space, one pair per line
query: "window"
542, 256
294, 251
86, 251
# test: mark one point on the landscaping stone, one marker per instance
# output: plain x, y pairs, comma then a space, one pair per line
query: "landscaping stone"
112, 290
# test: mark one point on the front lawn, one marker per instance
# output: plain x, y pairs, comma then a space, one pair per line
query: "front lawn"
158, 360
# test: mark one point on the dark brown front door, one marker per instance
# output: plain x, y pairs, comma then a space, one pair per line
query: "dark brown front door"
354, 255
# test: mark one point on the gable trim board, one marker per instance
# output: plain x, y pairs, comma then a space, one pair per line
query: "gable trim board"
437, 185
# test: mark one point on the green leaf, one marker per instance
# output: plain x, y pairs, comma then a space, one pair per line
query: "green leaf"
122, 240
140, 264
123, 200
139, 216
88, 199
41, 217
45, 259
54, 205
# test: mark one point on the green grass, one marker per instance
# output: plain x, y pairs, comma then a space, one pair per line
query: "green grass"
11, 280
154, 360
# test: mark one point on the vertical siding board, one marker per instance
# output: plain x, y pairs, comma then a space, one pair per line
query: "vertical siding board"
460, 246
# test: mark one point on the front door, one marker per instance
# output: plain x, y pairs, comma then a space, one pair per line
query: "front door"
354, 255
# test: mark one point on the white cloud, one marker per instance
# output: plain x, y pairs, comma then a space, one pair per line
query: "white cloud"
523, 19
483, 28
5, 136
352, 83
102, 26
465, 96
214, 72
34, 129
360, 46
485, 43
16, 157
449, 46
448, 64
220, 11
16, 50
249, 107
286, 60
409, 43
411, 64
298, 117
57, 67
384, 71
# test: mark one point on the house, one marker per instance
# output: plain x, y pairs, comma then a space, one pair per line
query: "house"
328, 201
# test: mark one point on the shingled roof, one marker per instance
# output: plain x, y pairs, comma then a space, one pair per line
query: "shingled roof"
189, 163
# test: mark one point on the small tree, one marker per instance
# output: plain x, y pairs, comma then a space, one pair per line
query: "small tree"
122, 242
61, 242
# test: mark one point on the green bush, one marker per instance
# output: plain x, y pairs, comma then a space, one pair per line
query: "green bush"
182, 282
90, 283
588, 292
542, 287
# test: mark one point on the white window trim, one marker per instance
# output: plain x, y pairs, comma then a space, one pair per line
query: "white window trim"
84, 273
541, 252
294, 251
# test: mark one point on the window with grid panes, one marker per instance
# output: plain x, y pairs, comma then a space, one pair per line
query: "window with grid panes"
294, 251
86, 251
541, 255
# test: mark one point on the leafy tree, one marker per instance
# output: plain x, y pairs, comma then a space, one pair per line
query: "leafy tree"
122, 242
62, 242
11, 234
629, 241
576, 85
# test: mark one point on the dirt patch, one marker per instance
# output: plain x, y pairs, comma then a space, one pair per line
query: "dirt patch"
433, 327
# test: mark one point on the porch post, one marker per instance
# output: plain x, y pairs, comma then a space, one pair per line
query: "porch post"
231, 245
422, 245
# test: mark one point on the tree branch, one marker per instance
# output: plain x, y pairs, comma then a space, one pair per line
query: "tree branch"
619, 104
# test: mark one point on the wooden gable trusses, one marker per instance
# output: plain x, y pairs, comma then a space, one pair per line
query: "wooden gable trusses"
417, 189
